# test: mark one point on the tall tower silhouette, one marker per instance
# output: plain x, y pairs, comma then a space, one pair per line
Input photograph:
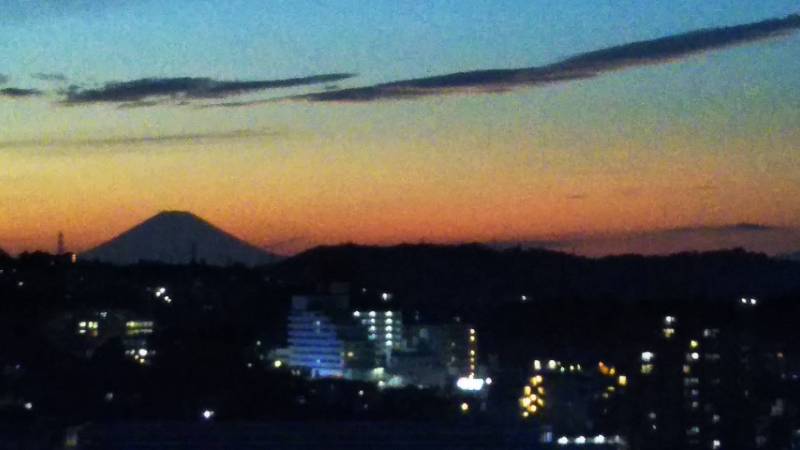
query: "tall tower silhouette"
60, 249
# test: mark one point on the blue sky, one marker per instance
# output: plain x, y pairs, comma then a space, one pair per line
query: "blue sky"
381, 40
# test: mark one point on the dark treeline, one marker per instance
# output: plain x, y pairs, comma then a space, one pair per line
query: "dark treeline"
474, 275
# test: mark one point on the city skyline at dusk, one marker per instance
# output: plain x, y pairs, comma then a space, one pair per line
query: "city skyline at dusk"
311, 122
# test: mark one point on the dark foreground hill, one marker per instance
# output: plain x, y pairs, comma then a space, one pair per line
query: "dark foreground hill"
175, 237
428, 275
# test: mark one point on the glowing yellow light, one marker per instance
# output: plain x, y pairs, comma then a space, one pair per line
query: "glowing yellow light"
525, 402
464, 407
537, 380
532, 409
541, 390
277, 364
693, 344
612, 372
525, 414
527, 390
540, 402
622, 380
537, 365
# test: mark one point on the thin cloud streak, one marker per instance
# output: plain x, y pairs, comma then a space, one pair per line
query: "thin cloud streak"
55, 77
769, 239
13, 92
579, 67
144, 91
135, 140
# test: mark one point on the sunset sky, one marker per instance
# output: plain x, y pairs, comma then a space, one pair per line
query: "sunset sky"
304, 122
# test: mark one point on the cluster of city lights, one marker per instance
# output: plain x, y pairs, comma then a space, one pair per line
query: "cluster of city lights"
374, 323
139, 327
533, 397
590, 440
90, 327
556, 366
606, 370
669, 326
472, 384
141, 355
611, 372
648, 359
473, 352
161, 293
748, 301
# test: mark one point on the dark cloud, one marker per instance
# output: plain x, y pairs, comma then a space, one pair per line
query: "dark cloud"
146, 90
770, 239
238, 104
739, 227
4, 79
578, 67
19, 93
57, 77
579, 196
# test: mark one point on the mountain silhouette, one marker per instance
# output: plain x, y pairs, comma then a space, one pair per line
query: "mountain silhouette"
177, 237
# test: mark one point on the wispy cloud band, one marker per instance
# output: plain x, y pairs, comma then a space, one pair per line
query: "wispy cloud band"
55, 77
19, 92
136, 140
144, 91
578, 67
